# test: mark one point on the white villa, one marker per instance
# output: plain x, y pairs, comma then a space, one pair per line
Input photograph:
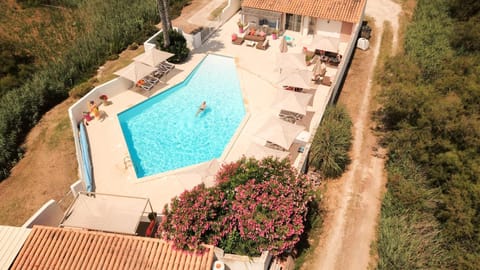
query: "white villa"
323, 24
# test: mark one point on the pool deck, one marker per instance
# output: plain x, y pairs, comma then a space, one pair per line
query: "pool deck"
258, 74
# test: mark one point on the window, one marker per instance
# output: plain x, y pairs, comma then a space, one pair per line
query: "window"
293, 22
312, 26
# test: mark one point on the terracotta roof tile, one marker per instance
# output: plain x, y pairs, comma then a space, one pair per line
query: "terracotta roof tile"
337, 10
64, 248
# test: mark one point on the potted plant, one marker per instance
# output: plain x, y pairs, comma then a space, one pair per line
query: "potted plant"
240, 26
104, 99
274, 34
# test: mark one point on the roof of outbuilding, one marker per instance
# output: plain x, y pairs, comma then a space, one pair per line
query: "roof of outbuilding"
337, 10
11, 239
64, 248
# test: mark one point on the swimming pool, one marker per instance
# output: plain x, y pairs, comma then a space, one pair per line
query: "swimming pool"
163, 133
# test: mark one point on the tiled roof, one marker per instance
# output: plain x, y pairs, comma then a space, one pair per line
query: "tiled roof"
62, 248
337, 10
11, 241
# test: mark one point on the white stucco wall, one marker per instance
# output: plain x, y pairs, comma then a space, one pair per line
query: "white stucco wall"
50, 214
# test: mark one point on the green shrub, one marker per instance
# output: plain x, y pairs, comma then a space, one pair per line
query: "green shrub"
133, 46
105, 28
81, 89
113, 57
178, 46
430, 217
265, 212
332, 142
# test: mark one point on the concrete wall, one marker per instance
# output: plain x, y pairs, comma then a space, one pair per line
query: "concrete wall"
75, 112
150, 43
50, 214
232, 7
237, 262
301, 163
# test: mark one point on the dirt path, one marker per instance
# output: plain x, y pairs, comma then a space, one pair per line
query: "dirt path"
353, 202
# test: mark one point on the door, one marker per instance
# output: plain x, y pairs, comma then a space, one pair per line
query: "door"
293, 22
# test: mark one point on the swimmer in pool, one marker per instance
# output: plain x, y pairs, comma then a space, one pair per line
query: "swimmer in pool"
202, 107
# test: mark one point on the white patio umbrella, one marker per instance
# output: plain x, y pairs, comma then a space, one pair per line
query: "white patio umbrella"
279, 132
291, 61
295, 78
283, 45
292, 101
153, 57
320, 69
325, 43
135, 71
261, 152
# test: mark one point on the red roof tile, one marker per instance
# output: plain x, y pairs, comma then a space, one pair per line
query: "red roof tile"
63, 248
337, 10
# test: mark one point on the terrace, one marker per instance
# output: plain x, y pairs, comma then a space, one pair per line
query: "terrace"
258, 72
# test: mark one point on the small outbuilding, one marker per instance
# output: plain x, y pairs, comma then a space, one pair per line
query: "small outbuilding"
363, 44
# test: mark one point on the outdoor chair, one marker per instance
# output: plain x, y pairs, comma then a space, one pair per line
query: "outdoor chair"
326, 81
237, 40
263, 45
251, 43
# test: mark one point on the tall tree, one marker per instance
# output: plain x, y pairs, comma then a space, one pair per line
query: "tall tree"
166, 25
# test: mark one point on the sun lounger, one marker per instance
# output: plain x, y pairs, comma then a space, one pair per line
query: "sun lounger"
263, 45
290, 116
147, 86
151, 79
274, 146
167, 65
158, 73
238, 41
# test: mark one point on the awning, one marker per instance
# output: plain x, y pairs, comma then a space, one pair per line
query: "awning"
153, 57
135, 71
295, 78
292, 101
105, 212
261, 152
324, 43
279, 132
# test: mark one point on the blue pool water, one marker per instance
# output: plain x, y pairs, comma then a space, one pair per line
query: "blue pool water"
162, 133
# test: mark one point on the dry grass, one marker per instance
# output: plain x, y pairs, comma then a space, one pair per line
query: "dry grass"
105, 72
217, 11
46, 172
50, 164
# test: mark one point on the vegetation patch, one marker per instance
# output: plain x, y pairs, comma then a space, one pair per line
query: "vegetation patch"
101, 28
430, 111
178, 46
329, 153
217, 11
256, 206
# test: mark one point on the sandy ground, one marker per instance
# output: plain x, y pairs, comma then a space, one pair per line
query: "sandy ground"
353, 202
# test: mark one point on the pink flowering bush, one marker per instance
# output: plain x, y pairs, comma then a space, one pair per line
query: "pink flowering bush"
256, 206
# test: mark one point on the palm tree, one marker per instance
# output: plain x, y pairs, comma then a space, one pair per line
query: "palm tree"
165, 18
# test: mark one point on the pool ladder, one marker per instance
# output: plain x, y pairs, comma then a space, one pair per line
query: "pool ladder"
127, 161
